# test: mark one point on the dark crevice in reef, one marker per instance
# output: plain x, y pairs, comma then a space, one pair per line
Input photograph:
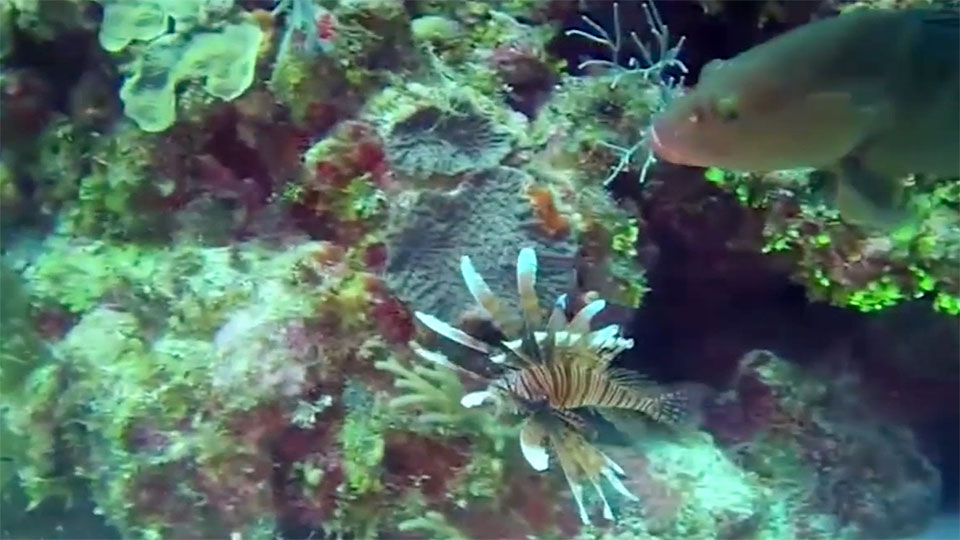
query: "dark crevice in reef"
733, 29
713, 298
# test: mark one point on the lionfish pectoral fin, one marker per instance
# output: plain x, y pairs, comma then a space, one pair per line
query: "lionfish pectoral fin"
441, 359
475, 399
613, 477
452, 333
582, 461
577, 490
607, 511
568, 445
532, 445
481, 292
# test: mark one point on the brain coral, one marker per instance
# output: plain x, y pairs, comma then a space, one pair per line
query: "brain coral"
446, 142
487, 218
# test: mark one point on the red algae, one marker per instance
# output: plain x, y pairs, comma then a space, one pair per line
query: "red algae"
393, 320
426, 464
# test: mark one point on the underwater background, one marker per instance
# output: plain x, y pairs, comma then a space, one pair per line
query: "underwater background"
417, 269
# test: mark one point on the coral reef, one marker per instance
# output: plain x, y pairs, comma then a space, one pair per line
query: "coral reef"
848, 266
431, 141
484, 218
845, 469
222, 220
224, 57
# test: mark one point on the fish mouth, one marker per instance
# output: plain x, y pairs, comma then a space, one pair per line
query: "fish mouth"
671, 146
659, 148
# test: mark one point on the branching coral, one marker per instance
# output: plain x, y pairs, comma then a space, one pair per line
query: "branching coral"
650, 71
434, 392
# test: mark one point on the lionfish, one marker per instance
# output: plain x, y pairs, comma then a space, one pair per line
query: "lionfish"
552, 375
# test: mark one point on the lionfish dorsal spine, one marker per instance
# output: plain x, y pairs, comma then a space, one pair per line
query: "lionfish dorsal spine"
526, 286
481, 292
581, 321
529, 305
556, 323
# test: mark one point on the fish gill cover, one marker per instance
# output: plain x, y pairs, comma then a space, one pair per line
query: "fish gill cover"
232, 230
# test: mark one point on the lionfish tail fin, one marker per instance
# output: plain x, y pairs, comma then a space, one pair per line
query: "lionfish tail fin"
673, 407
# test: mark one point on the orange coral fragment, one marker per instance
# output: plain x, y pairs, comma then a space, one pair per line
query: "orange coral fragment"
551, 221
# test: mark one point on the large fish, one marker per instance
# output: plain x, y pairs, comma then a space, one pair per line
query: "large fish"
873, 94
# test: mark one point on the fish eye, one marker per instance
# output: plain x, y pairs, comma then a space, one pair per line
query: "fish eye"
726, 109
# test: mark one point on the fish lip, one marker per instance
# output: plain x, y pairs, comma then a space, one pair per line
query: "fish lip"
656, 144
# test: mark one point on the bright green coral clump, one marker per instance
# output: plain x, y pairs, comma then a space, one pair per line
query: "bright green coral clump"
866, 270
223, 55
361, 439
224, 59
126, 22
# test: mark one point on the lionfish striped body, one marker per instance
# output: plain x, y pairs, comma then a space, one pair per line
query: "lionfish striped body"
571, 387
553, 375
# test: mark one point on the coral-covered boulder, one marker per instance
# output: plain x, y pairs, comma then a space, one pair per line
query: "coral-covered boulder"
485, 218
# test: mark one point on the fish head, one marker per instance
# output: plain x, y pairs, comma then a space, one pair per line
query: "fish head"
741, 120
694, 131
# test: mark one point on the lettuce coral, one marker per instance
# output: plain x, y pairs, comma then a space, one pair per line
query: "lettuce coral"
225, 59
223, 56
